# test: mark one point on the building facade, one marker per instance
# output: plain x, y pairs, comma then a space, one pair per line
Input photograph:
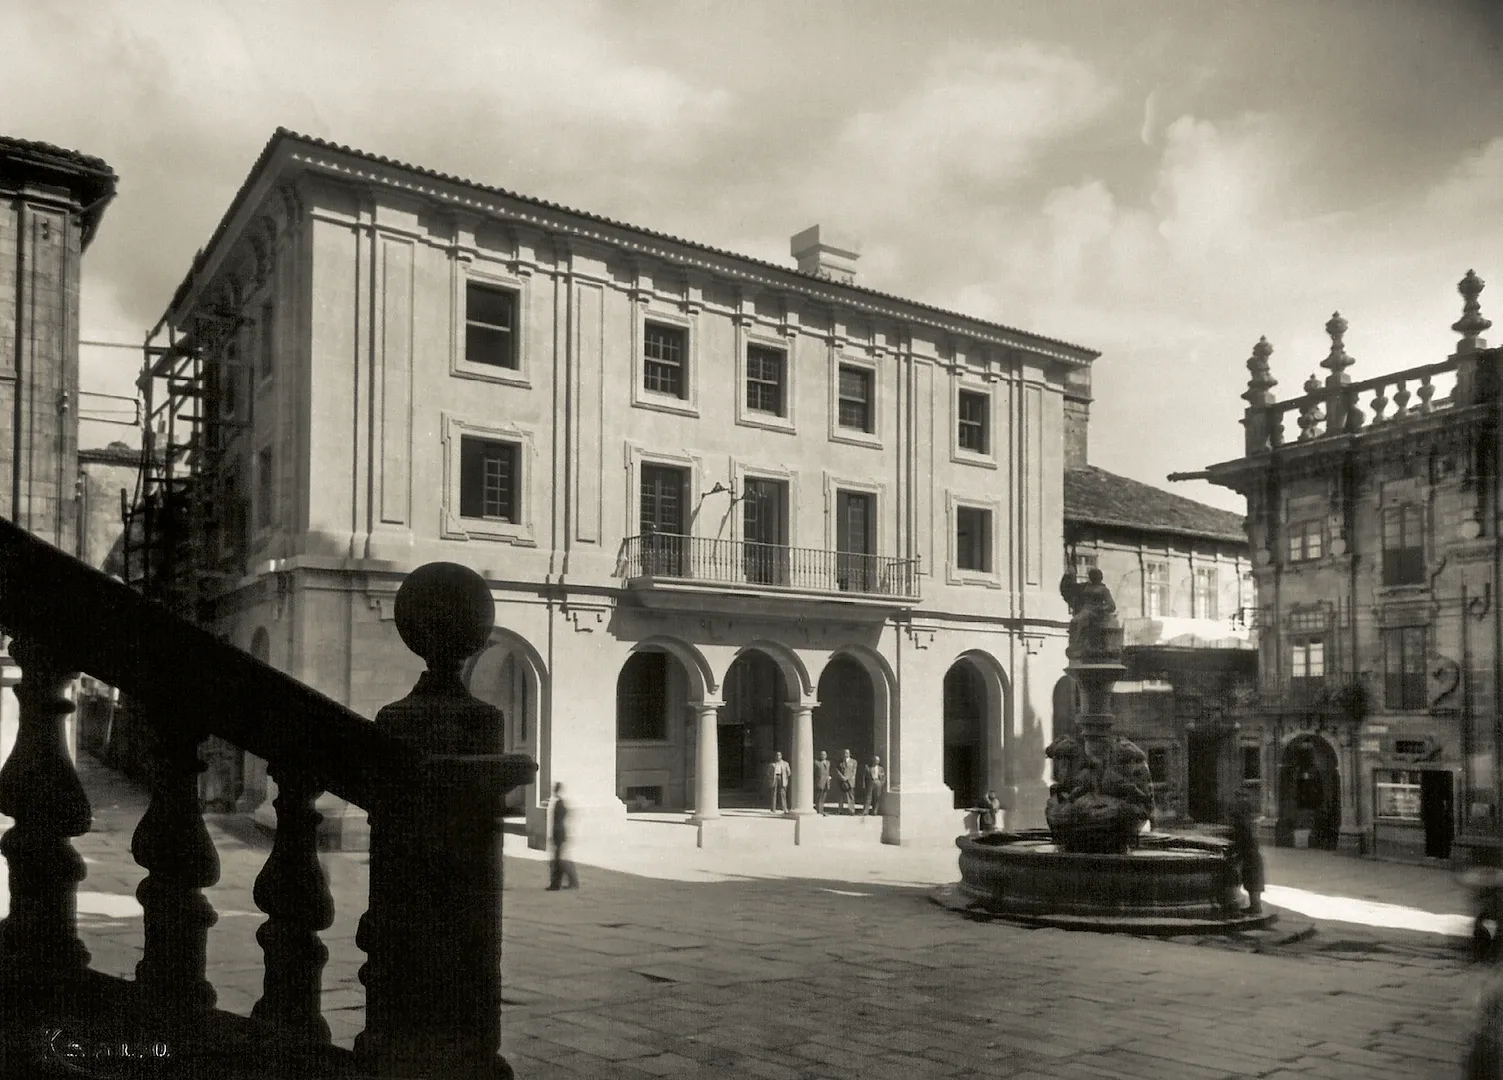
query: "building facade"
51, 204
1373, 515
726, 507
1180, 573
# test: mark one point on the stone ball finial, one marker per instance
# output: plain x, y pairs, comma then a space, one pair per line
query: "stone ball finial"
1471, 324
444, 613
1312, 384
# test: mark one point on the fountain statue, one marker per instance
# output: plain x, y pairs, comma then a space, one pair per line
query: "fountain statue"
1096, 867
1102, 795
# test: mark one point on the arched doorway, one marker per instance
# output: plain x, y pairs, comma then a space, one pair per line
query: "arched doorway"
846, 716
965, 724
652, 751
1309, 792
1066, 706
504, 675
753, 724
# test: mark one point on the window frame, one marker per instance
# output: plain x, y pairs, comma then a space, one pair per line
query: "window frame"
758, 381
1205, 592
954, 574
984, 423
1082, 563
686, 404
983, 548
1162, 601
1403, 565
679, 366
1406, 689
839, 432
455, 526
785, 346
514, 500
1299, 649
469, 271
1303, 531
1405, 787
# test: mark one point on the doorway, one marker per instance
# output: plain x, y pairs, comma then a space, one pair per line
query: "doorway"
1309, 793
855, 541
764, 528
1202, 800
965, 734
1437, 811
753, 724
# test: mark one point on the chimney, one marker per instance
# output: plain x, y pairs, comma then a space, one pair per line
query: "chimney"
825, 254
1077, 418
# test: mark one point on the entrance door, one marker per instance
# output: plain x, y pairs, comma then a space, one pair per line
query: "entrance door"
731, 741
664, 546
764, 529
1200, 781
855, 541
1437, 812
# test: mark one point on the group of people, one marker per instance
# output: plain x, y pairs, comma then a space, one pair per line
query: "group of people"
846, 775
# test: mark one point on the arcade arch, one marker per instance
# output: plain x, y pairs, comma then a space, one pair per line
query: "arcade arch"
508, 673
1309, 792
977, 722
655, 731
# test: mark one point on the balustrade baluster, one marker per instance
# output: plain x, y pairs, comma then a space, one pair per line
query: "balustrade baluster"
293, 892
1379, 404
1425, 393
1401, 401
173, 845
40, 790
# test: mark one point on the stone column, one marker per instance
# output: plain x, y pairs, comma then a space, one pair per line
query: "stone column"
803, 757
707, 762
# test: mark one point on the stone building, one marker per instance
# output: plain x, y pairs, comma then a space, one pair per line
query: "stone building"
726, 506
1373, 516
1180, 572
51, 203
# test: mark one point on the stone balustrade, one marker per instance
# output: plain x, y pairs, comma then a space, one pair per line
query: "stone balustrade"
426, 771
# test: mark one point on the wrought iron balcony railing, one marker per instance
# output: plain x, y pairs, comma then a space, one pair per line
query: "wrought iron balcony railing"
707, 560
1337, 696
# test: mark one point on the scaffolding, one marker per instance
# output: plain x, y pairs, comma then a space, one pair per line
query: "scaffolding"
185, 526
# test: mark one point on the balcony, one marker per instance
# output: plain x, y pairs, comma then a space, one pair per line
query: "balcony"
704, 573
1333, 697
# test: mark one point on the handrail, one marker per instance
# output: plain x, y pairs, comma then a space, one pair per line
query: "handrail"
95, 624
720, 561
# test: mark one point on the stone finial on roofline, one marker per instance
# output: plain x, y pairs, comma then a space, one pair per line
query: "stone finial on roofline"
1260, 385
1337, 361
1471, 324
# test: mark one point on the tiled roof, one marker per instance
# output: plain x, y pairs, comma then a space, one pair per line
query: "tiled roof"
90, 179
284, 133
1097, 497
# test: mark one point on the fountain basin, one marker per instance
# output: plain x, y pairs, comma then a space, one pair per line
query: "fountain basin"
1179, 883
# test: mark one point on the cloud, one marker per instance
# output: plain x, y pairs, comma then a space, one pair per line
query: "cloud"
1150, 118
1475, 185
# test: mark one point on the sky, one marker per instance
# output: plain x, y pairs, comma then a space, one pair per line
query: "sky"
1161, 180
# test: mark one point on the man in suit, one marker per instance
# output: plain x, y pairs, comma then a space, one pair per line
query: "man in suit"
821, 782
779, 773
876, 780
562, 868
845, 772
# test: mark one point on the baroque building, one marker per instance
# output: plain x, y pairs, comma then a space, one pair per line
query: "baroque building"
51, 203
726, 507
1373, 517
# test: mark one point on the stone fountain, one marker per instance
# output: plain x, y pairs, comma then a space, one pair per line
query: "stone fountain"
1096, 867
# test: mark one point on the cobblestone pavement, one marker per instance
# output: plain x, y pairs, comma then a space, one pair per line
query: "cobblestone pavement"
805, 977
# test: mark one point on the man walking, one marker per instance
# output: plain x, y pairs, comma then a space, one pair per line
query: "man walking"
821, 782
875, 780
779, 773
562, 868
845, 772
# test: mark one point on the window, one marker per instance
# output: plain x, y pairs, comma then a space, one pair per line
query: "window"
229, 382
663, 351
855, 404
265, 488
1307, 665
972, 433
1404, 675
661, 495
490, 315
1082, 566
1252, 763
1396, 794
1403, 545
642, 697
1156, 589
1158, 764
764, 379
764, 528
488, 479
268, 340
1207, 588
973, 539
1305, 540
855, 541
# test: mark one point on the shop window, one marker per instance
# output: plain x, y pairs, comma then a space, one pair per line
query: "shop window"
1403, 545
1396, 794
1404, 667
